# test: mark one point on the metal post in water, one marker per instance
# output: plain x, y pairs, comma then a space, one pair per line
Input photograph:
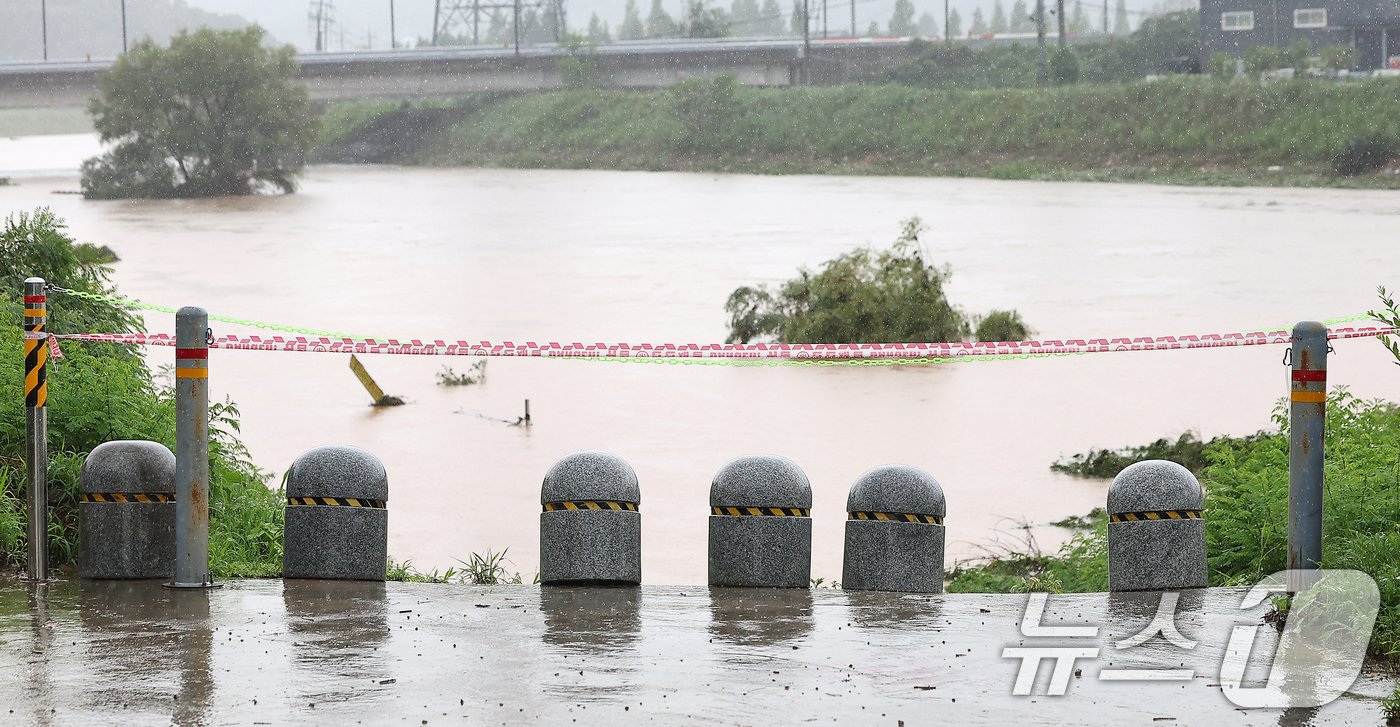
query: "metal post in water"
36, 427
191, 449
1306, 427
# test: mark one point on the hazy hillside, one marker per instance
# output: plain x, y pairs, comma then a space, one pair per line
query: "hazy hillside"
79, 28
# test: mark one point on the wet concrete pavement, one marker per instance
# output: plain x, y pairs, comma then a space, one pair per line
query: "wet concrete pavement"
297, 652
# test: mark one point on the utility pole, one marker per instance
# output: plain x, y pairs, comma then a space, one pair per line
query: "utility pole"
855, 32
437, 10
123, 26
824, 24
806, 40
394, 34
1105, 17
1041, 75
947, 36
1060, 22
44, 25
321, 16
517, 28
476, 22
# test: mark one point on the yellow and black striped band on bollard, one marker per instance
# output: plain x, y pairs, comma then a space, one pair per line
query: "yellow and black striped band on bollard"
127, 497
763, 511
897, 517
36, 353
1132, 517
336, 501
565, 505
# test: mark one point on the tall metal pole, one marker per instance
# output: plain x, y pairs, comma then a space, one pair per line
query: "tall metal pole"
1060, 22
1042, 75
123, 26
191, 449
806, 41
36, 427
1306, 429
824, 17
947, 15
476, 22
517, 28
44, 25
437, 10
393, 32
1105, 17
855, 32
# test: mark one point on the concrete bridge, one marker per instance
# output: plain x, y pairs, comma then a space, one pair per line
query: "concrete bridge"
436, 72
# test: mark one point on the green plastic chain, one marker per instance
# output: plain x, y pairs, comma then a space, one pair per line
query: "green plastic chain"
138, 305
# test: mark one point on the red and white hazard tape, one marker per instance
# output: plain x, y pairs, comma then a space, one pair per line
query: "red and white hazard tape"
795, 351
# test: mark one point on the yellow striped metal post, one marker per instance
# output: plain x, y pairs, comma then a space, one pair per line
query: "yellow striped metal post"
36, 426
1306, 429
191, 449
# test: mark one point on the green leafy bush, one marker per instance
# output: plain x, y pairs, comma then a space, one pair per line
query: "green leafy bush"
1264, 58
1186, 450
708, 111
1222, 66
860, 296
216, 113
1064, 67
1003, 325
1337, 57
1365, 154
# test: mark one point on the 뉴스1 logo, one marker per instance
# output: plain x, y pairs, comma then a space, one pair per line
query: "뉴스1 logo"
1319, 655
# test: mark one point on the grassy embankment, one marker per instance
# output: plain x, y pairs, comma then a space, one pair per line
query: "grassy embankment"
1185, 130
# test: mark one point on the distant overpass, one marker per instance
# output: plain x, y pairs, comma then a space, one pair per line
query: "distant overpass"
436, 72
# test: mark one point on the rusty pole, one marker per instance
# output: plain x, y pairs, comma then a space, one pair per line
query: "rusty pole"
191, 449
1306, 427
36, 428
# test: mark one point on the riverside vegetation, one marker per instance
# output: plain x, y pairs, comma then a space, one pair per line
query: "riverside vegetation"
100, 392
1246, 483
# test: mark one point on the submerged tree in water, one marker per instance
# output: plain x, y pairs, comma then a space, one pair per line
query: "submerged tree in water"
862, 296
216, 113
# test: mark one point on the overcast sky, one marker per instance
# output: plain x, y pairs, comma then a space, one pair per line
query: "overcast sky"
287, 19
78, 28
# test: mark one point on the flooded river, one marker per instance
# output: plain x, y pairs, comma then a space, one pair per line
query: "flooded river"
648, 257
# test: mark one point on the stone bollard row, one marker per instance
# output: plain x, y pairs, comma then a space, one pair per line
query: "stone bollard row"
760, 527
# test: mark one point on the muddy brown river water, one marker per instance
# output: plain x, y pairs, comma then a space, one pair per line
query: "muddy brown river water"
650, 257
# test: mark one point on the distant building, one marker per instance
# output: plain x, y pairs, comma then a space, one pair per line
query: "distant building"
1372, 27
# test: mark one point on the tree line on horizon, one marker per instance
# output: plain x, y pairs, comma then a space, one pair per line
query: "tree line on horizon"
703, 19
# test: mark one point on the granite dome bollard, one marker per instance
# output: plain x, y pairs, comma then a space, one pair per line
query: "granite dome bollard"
126, 511
760, 524
590, 529
1156, 533
337, 519
894, 534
